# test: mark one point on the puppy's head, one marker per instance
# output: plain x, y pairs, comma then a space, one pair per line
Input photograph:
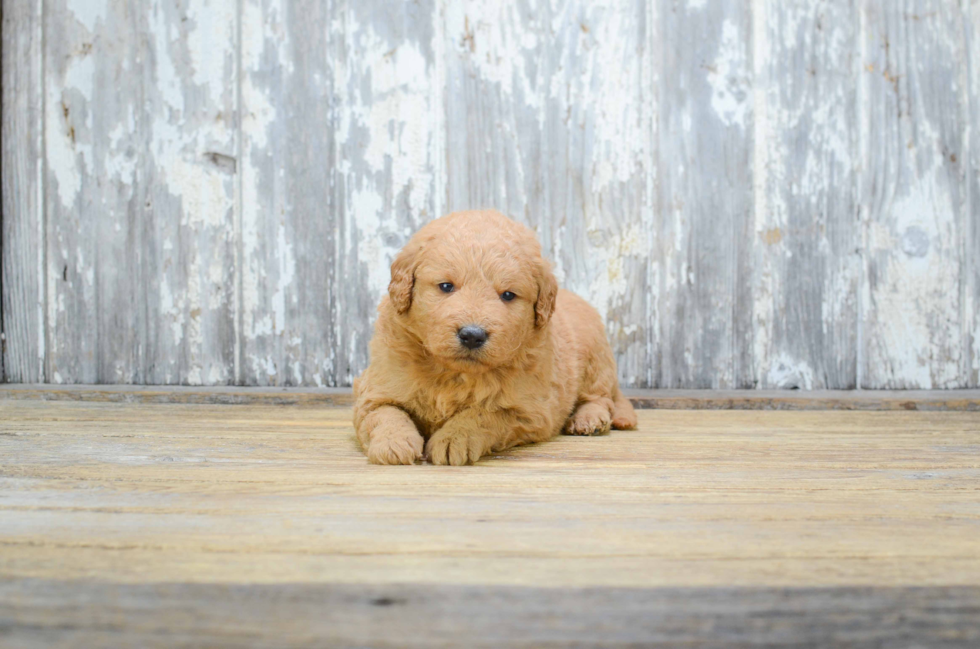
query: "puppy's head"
474, 288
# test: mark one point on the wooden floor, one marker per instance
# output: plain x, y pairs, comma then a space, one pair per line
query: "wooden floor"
127, 524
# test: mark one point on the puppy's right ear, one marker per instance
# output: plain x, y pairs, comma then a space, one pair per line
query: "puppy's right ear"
403, 277
544, 306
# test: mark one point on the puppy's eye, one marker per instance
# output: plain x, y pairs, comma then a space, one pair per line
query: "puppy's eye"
446, 287
507, 296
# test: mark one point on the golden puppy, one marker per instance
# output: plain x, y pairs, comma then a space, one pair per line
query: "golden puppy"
476, 350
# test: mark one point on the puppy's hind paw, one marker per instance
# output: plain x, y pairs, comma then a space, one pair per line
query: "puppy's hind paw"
589, 419
404, 449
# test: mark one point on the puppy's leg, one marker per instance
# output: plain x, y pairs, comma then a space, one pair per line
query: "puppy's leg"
471, 434
464, 439
624, 417
389, 436
592, 417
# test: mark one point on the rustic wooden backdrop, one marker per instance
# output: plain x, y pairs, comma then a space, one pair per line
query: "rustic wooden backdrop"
764, 193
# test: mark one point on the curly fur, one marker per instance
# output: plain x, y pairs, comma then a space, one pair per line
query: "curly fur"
546, 367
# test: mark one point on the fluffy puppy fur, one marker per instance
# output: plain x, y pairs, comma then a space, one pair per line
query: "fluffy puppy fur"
545, 368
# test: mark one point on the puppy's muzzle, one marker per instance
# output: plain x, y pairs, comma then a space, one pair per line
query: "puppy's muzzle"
471, 336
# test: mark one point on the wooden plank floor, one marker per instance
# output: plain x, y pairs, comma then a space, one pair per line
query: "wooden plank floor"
185, 525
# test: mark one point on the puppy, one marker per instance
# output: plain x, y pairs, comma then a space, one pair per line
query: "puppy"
476, 350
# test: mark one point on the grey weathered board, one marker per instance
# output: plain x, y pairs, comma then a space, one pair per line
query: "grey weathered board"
21, 226
91, 613
754, 194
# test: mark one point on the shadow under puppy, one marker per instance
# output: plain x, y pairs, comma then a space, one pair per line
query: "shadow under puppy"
476, 350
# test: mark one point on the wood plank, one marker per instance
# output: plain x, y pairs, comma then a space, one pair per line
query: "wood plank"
47, 613
388, 132
341, 397
876, 400
705, 198
180, 525
971, 254
550, 117
208, 494
290, 173
92, 149
188, 171
807, 268
870, 400
914, 194
22, 221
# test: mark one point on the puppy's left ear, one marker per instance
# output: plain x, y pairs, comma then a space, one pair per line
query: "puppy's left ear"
544, 306
403, 277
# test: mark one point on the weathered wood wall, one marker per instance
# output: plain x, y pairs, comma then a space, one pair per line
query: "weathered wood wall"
753, 193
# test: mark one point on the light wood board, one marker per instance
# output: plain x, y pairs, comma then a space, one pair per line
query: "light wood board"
111, 510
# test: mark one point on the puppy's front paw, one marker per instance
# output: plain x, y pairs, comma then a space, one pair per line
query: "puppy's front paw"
589, 419
456, 446
395, 447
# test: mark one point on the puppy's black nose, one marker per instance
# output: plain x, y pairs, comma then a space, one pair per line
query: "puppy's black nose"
472, 337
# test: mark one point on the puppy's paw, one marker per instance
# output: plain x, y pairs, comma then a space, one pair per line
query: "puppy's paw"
624, 422
589, 419
455, 446
395, 447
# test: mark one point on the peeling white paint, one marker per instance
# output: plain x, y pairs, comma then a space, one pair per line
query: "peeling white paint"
67, 120
608, 283
387, 92
496, 40
377, 257
913, 321
789, 373
620, 142
729, 78
763, 307
174, 312
287, 273
213, 29
562, 121
61, 158
916, 324
88, 12
189, 121
803, 169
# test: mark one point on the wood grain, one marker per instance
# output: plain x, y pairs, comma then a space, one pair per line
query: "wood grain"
338, 173
198, 524
140, 151
389, 131
22, 222
46, 613
93, 210
289, 182
549, 118
705, 199
754, 194
806, 266
163, 493
188, 171
971, 243
916, 93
